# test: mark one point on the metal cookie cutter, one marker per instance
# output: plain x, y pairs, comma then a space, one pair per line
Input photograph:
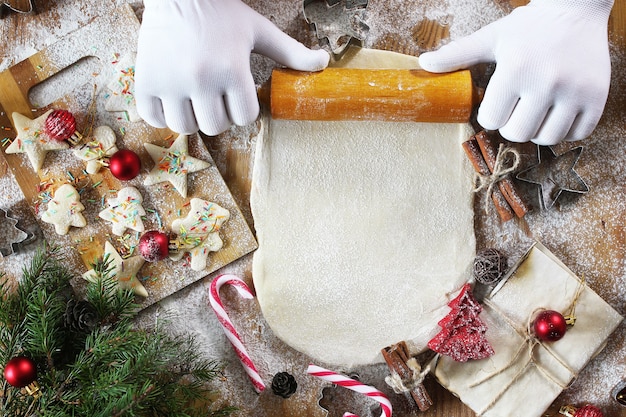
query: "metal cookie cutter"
554, 174
337, 23
12, 237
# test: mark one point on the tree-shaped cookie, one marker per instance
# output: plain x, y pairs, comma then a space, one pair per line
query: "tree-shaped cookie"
198, 233
462, 335
64, 210
124, 270
125, 211
100, 146
32, 140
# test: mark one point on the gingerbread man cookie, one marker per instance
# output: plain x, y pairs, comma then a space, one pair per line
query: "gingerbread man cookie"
100, 146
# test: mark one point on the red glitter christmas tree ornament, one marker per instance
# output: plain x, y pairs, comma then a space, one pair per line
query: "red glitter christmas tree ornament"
154, 245
60, 125
462, 335
586, 411
549, 326
125, 164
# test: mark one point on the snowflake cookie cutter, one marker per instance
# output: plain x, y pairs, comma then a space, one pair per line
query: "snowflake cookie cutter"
337, 23
554, 174
12, 236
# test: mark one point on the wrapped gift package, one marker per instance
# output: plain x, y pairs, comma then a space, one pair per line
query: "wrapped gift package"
525, 375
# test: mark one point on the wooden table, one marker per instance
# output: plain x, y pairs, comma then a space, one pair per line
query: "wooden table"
594, 249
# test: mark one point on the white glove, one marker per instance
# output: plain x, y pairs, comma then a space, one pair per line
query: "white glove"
193, 63
552, 72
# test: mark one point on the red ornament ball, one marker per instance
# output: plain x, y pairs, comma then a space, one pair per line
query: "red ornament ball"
154, 245
20, 371
60, 125
549, 326
589, 411
125, 164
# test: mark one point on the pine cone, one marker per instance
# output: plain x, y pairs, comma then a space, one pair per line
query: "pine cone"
284, 384
80, 316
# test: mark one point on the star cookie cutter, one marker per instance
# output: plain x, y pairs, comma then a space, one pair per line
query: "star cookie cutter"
554, 174
12, 237
337, 23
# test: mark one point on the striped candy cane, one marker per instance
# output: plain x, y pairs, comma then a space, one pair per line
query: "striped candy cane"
354, 385
227, 325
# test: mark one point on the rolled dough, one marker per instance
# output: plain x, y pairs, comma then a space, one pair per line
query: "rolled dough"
365, 230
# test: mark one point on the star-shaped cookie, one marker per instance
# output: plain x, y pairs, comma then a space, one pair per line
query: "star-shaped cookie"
64, 210
554, 174
32, 140
124, 270
198, 232
173, 164
122, 86
94, 151
125, 211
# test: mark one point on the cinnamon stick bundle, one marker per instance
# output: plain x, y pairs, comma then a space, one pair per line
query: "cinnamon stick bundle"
482, 150
480, 166
489, 146
402, 365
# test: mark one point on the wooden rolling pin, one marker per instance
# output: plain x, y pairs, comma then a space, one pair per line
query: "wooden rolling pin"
372, 94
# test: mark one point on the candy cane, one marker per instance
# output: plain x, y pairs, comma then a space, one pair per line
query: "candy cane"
354, 385
227, 325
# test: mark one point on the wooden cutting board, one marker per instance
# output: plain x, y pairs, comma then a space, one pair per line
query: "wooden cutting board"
76, 73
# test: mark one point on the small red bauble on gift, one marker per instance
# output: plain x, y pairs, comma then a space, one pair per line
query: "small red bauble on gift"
549, 326
125, 164
60, 125
586, 411
154, 245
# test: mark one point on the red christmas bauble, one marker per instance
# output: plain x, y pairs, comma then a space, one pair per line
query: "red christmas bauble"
125, 164
20, 371
154, 245
549, 326
60, 125
589, 411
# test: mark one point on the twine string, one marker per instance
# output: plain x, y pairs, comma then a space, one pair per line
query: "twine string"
401, 386
530, 342
500, 171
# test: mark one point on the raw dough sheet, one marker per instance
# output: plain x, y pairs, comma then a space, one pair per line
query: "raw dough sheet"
365, 232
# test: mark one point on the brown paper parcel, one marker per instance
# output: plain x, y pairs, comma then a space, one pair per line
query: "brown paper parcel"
525, 376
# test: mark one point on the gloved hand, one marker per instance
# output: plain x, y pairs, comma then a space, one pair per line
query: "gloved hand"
552, 71
193, 63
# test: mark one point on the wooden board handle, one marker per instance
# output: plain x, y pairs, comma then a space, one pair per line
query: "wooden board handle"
372, 94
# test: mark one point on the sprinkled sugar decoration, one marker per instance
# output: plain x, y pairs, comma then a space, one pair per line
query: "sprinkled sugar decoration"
122, 86
125, 211
173, 164
198, 232
32, 139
